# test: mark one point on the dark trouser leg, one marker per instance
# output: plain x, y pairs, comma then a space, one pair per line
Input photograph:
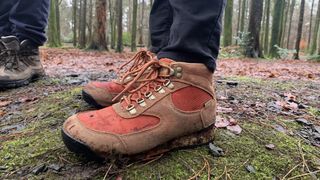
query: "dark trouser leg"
161, 18
195, 31
29, 19
5, 25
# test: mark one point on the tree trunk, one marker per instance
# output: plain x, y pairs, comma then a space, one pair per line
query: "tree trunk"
253, 50
83, 20
53, 36
134, 25
284, 23
119, 17
227, 30
141, 23
276, 27
267, 27
129, 16
99, 41
316, 31
239, 19
243, 14
112, 24
58, 20
293, 4
74, 20
299, 34
149, 33
310, 26
90, 23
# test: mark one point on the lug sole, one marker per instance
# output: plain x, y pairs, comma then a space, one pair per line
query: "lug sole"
19, 83
90, 100
200, 138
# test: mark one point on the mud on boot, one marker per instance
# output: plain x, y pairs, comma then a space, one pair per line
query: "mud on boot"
19, 63
173, 107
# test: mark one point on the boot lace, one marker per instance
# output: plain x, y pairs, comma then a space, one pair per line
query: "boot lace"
151, 80
137, 62
9, 59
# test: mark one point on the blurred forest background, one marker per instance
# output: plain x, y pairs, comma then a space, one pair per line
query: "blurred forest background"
281, 29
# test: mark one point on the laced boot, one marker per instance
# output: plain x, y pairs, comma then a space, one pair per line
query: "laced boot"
101, 94
19, 63
173, 107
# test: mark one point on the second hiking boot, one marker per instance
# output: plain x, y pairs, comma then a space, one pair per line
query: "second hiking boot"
172, 108
102, 94
19, 63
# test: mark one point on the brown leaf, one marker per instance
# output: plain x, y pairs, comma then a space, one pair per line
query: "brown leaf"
5, 103
221, 122
235, 129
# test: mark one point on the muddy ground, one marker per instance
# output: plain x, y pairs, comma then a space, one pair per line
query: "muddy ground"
276, 104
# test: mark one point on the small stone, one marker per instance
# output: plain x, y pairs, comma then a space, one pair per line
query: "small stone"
280, 128
304, 121
270, 146
250, 169
317, 128
2, 168
215, 151
39, 169
55, 167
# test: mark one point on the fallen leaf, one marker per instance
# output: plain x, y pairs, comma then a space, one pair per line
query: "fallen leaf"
270, 146
224, 110
5, 103
235, 129
2, 113
232, 121
289, 96
304, 121
280, 128
221, 122
250, 169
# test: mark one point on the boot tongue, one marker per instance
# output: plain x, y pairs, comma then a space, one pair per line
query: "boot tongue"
10, 42
27, 45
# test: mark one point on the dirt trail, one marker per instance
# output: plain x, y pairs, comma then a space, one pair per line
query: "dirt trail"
67, 61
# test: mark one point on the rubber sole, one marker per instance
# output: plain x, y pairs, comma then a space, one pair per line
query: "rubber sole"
19, 83
200, 138
90, 100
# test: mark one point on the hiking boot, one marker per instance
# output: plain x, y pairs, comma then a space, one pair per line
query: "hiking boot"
172, 108
101, 94
19, 63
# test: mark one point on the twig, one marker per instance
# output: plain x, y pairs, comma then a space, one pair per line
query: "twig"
105, 176
284, 177
302, 175
199, 172
224, 171
302, 157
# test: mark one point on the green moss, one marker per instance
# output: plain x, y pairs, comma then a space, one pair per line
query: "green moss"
246, 149
41, 136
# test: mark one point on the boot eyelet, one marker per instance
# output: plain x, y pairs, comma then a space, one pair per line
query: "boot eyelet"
131, 109
179, 69
149, 95
168, 84
159, 89
179, 75
141, 102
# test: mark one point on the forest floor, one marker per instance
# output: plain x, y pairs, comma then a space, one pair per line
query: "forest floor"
276, 104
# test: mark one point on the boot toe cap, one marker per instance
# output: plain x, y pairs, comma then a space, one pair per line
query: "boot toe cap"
83, 140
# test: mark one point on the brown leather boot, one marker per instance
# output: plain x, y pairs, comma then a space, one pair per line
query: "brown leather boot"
101, 94
173, 107
19, 63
